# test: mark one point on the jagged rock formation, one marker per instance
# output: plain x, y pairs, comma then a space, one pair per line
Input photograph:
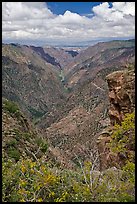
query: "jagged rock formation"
122, 100
121, 94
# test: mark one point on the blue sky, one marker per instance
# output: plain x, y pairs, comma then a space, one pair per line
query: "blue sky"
67, 23
76, 7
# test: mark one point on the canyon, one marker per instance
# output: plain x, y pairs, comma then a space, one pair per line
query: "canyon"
69, 96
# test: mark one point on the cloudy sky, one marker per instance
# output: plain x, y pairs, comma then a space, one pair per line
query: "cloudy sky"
58, 23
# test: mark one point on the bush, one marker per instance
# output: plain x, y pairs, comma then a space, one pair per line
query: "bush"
13, 153
42, 144
12, 143
10, 106
123, 137
35, 181
26, 136
35, 113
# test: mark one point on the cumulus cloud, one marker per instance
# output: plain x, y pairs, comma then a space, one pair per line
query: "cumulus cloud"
34, 21
24, 11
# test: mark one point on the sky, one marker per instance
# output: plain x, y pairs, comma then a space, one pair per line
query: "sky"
67, 23
81, 8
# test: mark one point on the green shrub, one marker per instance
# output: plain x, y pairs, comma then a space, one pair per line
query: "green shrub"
123, 137
10, 106
35, 113
17, 132
129, 171
41, 143
29, 181
12, 143
26, 136
44, 147
130, 67
35, 181
22, 135
13, 153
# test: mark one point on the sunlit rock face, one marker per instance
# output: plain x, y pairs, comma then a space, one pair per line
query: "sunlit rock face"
121, 95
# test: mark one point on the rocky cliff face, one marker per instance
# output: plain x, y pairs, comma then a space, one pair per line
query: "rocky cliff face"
121, 94
122, 100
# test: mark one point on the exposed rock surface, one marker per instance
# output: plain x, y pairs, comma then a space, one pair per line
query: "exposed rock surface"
121, 94
122, 100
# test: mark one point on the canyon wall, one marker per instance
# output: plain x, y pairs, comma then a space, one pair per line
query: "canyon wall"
121, 95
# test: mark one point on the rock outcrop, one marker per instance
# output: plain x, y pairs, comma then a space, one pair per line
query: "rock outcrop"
122, 100
121, 94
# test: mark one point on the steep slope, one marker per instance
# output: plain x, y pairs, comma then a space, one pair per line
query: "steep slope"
30, 81
74, 135
62, 56
121, 112
85, 82
55, 56
104, 55
19, 137
28, 175
98, 49
88, 95
71, 118
46, 56
69, 114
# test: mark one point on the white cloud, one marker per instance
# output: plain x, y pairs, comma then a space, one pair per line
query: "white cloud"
34, 21
127, 8
117, 12
24, 11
